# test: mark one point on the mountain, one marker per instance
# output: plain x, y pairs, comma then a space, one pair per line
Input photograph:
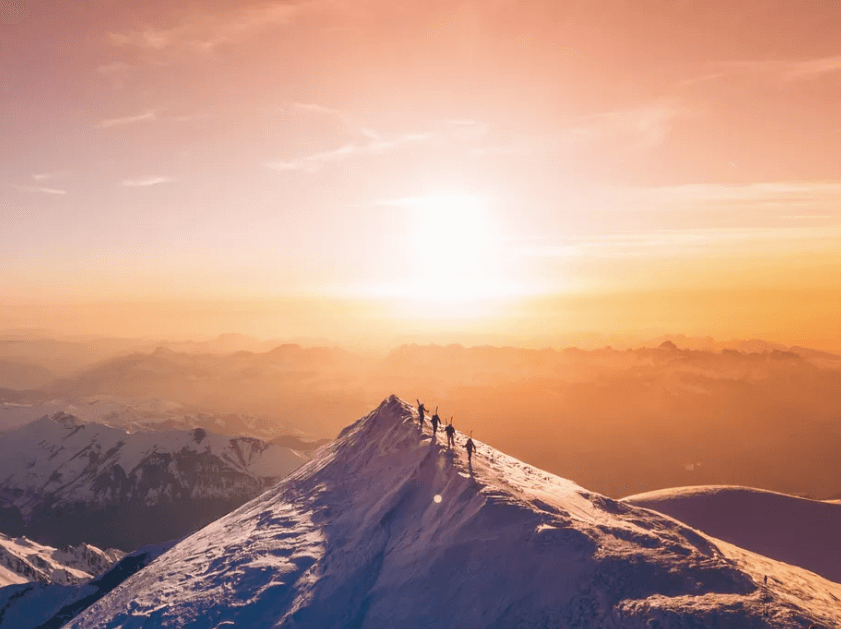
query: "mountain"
620, 422
50, 606
384, 528
795, 530
63, 357
22, 561
22, 376
64, 481
281, 383
226, 343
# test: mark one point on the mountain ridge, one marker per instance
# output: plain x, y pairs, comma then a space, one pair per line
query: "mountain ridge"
385, 528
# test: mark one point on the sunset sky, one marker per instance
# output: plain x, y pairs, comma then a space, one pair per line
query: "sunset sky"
338, 168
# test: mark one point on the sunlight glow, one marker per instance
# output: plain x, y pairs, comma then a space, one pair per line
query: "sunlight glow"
456, 237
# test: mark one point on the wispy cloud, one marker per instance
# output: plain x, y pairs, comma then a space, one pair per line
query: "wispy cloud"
668, 242
375, 145
114, 122
785, 70
117, 67
50, 175
146, 182
812, 68
787, 209
644, 126
446, 200
466, 130
39, 189
203, 33
316, 109
782, 193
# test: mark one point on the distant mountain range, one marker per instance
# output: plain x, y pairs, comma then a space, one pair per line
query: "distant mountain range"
693, 410
24, 561
63, 481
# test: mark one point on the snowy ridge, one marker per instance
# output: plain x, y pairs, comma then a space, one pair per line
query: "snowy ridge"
385, 529
61, 478
24, 560
799, 531
60, 455
50, 606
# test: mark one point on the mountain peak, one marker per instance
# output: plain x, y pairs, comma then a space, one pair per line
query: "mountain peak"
386, 527
66, 419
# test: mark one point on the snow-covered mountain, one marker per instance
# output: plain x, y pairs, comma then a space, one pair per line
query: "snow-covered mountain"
63, 481
385, 528
38, 605
22, 561
799, 531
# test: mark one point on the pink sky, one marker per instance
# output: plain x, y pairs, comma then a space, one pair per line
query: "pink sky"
443, 153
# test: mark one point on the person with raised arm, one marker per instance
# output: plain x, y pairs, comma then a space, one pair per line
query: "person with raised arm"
421, 411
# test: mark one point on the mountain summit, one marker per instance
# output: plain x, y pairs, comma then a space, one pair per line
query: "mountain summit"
384, 528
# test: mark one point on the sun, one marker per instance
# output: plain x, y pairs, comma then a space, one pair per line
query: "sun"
454, 237
455, 264
453, 232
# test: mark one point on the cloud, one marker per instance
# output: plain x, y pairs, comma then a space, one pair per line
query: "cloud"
466, 130
114, 122
448, 200
54, 191
641, 127
375, 145
813, 68
117, 67
782, 193
51, 175
668, 242
203, 33
773, 69
787, 205
145, 183
316, 109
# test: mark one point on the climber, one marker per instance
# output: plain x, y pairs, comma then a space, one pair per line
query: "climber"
451, 434
421, 411
470, 448
435, 421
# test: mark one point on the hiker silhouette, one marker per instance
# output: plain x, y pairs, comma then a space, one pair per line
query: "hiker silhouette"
451, 434
470, 448
435, 421
421, 411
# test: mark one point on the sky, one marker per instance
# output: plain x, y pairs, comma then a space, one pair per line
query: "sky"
364, 168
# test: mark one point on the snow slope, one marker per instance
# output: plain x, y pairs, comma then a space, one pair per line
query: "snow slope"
63, 481
799, 531
24, 560
386, 529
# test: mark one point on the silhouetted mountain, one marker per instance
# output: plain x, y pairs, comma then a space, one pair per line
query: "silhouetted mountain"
21, 375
